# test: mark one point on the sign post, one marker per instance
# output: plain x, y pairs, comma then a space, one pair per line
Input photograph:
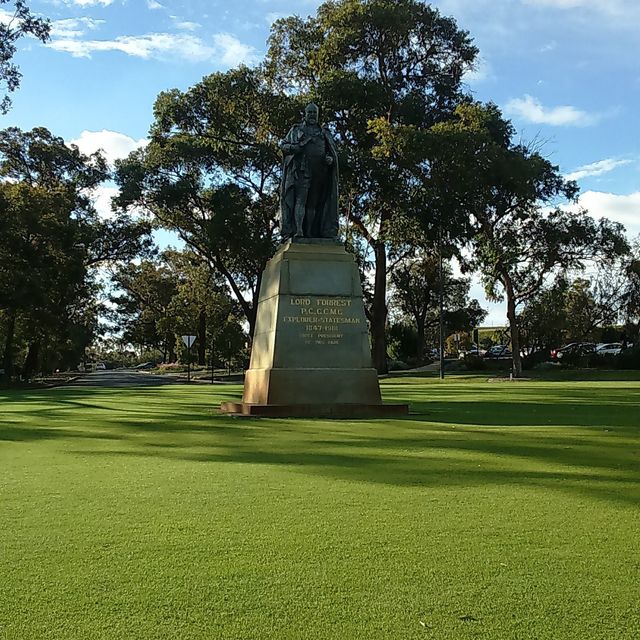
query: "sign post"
188, 341
213, 346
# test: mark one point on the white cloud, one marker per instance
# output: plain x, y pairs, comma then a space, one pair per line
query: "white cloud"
114, 145
596, 168
232, 51
153, 45
102, 197
613, 7
620, 208
272, 16
89, 3
186, 25
480, 73
6, 17
102, 201
163, 46
153, 4
532, 110
73, 27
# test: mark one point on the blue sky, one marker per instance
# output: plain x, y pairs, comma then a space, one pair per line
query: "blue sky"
567, 72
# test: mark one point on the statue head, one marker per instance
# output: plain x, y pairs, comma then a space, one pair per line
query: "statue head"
311, 113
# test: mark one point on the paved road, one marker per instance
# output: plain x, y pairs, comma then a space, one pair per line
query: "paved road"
122, 378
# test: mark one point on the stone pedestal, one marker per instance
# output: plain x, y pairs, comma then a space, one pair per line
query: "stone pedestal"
311, 353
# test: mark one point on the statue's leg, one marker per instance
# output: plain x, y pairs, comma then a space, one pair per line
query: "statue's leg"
302, 191
309, 219
313, 220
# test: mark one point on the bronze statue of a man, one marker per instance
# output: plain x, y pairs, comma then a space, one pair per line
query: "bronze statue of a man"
309, 190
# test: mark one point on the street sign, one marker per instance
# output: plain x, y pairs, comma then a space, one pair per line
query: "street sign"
188, 341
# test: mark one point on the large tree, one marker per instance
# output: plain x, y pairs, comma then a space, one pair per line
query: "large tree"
631, 293
203, 306
157, 301
52, 238
416, 292
609, 296
210, 173
17, 22
366, 61
543, 319
508, 195
142, 299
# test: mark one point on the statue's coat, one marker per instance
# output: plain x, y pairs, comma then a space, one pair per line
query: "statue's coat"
326, 222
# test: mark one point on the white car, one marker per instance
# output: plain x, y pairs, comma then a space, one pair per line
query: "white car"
608, 349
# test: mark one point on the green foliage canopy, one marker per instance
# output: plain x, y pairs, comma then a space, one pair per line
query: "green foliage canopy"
53, 239
21, 23
365, 62
210, 173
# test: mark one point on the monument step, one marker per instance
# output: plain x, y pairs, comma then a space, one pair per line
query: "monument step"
315, 410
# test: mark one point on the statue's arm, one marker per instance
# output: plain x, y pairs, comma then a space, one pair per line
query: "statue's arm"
289, 146
330, 146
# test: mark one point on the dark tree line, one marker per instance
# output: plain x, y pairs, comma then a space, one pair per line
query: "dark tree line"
52, 244
158, 300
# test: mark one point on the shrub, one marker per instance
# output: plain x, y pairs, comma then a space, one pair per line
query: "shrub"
474, 363
172, 366
397, 365
546, 366
534, 359
606, 361
578, 360
629, 359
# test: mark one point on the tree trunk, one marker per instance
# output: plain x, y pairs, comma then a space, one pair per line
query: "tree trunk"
420, 326
513, 325
7, 360
249, 311
31, 361
202, 338
256, 297
379, 311
252, 314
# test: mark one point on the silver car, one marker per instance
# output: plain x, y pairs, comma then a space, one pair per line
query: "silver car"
608, 348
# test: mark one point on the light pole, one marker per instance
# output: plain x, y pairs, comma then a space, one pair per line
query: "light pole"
441, 313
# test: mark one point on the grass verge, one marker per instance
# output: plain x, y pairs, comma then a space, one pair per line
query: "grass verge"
493, 511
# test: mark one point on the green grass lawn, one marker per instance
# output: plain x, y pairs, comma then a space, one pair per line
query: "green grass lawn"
496, 510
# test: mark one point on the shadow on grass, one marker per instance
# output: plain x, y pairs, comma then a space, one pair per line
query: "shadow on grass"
457, 436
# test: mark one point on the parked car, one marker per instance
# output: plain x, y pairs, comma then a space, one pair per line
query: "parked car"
101, 366
498, 351
472, 351
573, 349
609, 349
145, 365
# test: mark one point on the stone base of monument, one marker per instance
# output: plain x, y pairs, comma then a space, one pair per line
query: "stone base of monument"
311, 354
